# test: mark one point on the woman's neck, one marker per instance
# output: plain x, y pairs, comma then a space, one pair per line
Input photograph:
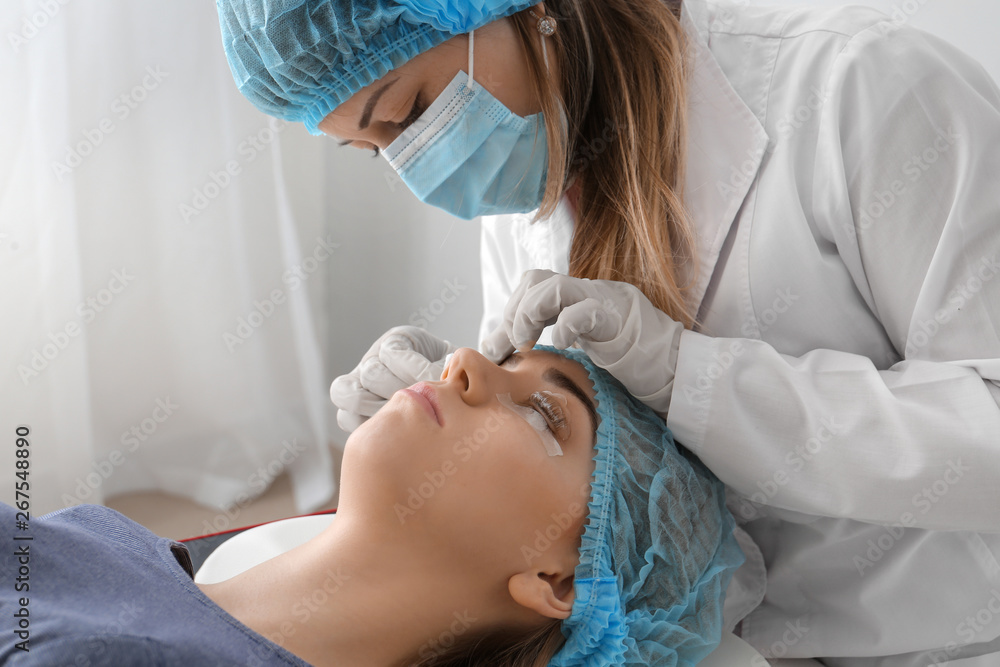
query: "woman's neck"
346, 598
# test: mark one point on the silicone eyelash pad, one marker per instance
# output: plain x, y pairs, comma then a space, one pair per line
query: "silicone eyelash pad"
536, 421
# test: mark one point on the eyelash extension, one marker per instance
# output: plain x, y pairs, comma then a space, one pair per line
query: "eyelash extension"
554, 416
415, 112
536, 421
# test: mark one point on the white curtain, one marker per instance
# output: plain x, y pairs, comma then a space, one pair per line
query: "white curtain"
164, 262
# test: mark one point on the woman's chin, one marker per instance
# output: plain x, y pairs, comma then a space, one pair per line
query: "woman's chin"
385, 450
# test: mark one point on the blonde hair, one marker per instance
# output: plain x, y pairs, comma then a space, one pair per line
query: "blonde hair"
622, 85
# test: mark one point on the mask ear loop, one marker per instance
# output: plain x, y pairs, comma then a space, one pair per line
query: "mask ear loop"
472, 60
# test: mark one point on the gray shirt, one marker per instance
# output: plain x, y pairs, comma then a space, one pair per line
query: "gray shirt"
92, 587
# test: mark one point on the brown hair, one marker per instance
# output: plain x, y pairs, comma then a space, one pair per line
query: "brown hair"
622, 85
496, 647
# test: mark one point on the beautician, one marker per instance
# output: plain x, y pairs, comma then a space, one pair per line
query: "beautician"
784, 236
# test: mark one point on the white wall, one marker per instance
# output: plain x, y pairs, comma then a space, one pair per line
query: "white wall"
401, 261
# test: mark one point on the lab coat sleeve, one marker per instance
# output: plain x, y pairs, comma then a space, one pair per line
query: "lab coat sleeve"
909, 142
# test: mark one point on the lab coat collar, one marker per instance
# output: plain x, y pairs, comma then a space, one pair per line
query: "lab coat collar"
725, 146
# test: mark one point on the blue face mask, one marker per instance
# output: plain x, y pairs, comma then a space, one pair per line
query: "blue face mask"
470, 155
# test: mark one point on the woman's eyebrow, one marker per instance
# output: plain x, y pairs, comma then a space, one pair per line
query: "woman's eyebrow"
563, 381
366, 114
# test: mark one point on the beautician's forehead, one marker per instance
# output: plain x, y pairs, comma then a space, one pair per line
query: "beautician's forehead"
343, 117
417, 70
349, 111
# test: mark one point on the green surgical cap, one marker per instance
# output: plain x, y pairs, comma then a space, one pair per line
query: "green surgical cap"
298, 60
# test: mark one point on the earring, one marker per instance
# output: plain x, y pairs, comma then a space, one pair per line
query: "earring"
546, 24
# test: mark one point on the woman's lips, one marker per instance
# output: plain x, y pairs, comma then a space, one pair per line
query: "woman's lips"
425, 394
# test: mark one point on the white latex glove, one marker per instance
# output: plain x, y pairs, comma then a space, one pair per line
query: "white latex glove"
401, 357
615, 324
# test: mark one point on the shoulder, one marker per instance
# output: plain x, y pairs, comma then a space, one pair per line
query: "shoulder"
804, 43
107, 650
86, 513
854, 59
917, 82
103, 522
845, 37
727, 18
775, 57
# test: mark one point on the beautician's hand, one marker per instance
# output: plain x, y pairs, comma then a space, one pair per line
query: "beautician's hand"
401, 357
614, 323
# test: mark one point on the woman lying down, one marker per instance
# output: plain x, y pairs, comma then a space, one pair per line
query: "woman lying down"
559, 525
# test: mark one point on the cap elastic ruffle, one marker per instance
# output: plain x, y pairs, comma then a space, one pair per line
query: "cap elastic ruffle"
658, 549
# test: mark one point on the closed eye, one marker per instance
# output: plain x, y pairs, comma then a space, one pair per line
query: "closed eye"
562, 381
553, 413
415, 112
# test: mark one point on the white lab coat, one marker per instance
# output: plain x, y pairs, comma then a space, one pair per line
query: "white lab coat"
843, 178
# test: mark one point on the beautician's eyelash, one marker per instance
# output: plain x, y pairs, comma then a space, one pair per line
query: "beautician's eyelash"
415, 112
554, 415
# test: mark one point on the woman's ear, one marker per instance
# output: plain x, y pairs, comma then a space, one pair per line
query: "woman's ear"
547, 593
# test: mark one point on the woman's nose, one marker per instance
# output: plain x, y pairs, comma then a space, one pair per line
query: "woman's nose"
475, 376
